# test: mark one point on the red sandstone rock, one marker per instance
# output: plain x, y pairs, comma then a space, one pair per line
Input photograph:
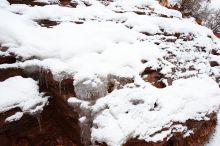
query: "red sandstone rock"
59, 123
217, 34
154, 77
202, 131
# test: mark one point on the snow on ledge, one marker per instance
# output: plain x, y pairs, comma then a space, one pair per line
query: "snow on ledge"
23, 93
142, 111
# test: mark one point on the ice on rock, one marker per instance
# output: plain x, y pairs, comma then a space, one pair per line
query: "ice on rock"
90, 89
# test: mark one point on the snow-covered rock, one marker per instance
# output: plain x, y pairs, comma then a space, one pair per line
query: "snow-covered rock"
22, 93
142, 112
116, 53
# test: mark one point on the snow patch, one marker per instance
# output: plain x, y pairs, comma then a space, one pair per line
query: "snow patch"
17, 116
23, 93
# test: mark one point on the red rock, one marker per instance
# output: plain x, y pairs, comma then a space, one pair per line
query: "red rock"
217, 34
154, 77
202, 131
7, 59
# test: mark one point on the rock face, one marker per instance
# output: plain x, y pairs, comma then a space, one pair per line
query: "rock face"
203, 131
58, 124
218, 35
50, 128
99, 93
47, 130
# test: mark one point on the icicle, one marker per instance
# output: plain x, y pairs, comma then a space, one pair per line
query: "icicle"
85, 130
38, 116
40, 77
60, 86
64, 89
46, 81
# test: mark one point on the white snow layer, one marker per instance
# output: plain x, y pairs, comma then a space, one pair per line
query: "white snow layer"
23, 93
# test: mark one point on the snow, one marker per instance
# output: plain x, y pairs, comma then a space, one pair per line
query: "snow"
102, 53
215, 4
22, 93
141, 112
17, 116
173, 2
47, 1
110, 44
